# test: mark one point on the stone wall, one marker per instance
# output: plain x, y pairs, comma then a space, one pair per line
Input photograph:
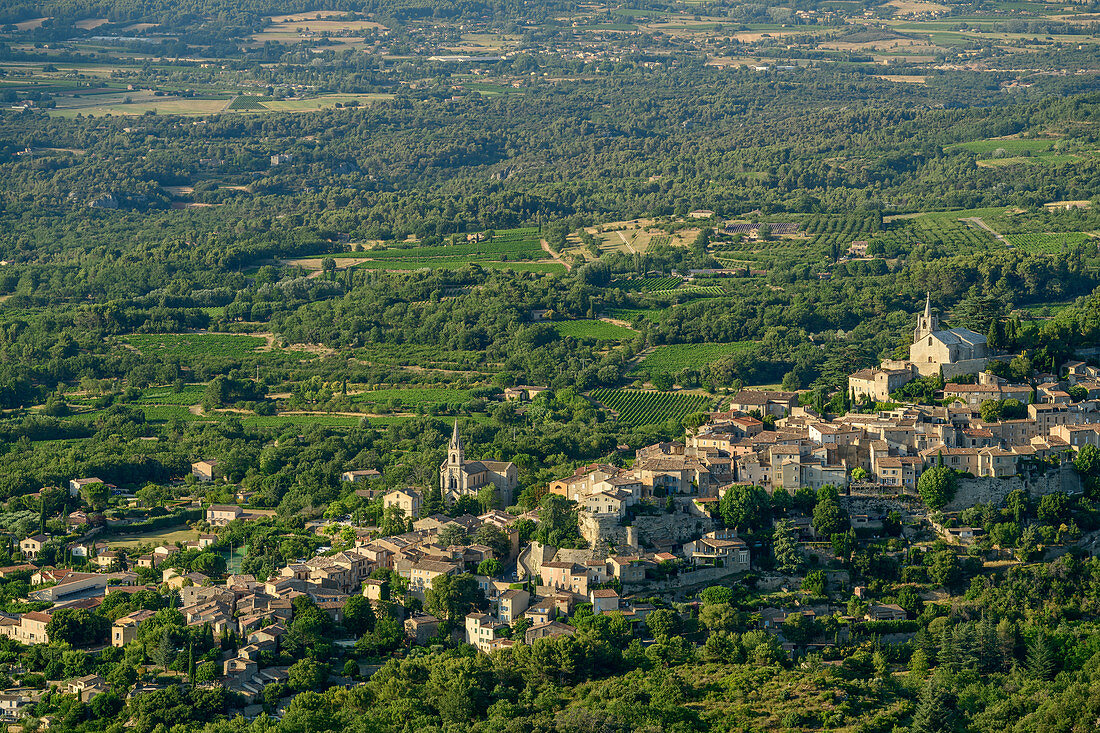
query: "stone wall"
880, 506
966, 366
605, 532
987, 490
694, 580
602, 531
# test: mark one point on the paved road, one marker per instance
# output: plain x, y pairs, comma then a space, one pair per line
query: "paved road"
629, 246
977, 221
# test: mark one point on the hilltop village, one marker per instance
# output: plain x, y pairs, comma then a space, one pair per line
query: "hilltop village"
766, 496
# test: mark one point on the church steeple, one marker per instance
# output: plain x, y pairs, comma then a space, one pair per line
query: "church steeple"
455, 452
927, 323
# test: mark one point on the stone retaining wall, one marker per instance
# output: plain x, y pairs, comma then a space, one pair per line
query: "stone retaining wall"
605, 532
986, 490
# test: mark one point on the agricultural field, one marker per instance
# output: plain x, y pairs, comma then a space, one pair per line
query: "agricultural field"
332, 25
674, 358
758, 254
121, 102
497, 248
188, 344
421, 357
1010, 146
746, 261
1047, 243
164, 536
693, 290
324, 101
637, 407
412, 398
247, 102
191, 394
516, 249
647, 284
634, 315
303, 419
451, 263
827, 233
590, 329
165, 413
949, 230
637, 236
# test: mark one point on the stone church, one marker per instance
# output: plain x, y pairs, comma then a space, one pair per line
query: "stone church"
954, 351
459, 477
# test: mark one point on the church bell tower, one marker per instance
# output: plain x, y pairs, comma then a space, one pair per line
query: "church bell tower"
455, 453
927, 323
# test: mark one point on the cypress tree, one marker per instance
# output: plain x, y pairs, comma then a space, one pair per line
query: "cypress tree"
785, 548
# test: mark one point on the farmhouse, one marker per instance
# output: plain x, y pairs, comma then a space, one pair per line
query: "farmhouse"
31, 546
208, 470
76, 484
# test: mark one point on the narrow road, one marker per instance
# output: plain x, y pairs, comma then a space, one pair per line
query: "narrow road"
629, 246
977, 221
555, 255
617, 322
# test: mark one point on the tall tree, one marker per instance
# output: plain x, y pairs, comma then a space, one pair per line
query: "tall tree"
451, 597
1041, 657
785, 548
934, 713
745, 507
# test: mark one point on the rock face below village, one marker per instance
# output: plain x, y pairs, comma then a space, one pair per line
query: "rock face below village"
990, 490
607, 532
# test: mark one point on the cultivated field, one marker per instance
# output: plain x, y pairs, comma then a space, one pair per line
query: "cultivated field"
599, 330
165, 536
675, 358
412, 398
638, 407
191, 394
515, 249
1048, 242
115, 102
647, 284
448, 263
188, 344
326, 101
